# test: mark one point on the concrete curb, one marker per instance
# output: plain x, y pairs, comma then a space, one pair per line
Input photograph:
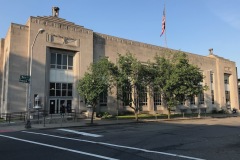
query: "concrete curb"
18, 126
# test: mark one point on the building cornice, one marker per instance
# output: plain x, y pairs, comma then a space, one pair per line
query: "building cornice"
60, 24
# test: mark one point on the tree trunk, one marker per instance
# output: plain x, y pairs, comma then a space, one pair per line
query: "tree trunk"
136, 115
93, 110
169, 113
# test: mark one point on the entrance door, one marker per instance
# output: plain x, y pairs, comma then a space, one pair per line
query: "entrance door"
67, 105
55, 105
52, 107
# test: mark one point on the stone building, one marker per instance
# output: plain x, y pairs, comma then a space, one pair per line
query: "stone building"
239, 90
56, 53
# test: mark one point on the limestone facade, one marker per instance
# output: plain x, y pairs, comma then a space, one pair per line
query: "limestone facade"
63, 53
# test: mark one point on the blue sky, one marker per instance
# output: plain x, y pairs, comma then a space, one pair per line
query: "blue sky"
191, 25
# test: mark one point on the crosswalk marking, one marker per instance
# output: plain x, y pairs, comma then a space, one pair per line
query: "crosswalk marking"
81, 133
118, 146
57, 147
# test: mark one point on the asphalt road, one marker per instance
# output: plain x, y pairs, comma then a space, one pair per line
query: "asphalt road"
211, 139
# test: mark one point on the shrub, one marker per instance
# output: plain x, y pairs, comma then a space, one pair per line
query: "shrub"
222, 111
214, 111
126, 113
106, 115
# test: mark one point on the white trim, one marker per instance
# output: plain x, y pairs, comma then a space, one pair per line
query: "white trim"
61, 148
119, 146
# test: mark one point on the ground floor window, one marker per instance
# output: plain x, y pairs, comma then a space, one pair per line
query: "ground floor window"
103, 98
212, 94
125, 95
157, 98
192, 100
60, 89
227, 95
140, 97
143, 96
201, 98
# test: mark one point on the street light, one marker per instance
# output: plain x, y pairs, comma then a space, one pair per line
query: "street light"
28, 123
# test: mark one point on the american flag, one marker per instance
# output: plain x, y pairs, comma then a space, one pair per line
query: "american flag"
163, 22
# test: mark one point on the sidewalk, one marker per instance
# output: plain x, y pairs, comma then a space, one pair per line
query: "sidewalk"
7, 127
18, 126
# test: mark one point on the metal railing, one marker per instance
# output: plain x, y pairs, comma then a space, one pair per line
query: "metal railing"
38, 115
16, 116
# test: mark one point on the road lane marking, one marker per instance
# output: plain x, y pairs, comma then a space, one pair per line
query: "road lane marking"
118, 146
61, 148
81, 133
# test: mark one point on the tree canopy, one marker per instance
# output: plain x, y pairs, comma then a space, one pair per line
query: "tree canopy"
98, 79
174, 78
177, 79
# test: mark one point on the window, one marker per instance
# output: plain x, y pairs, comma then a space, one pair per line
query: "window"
226, 78
52, 89
211, 77
212, 94
53, 60
192, 100
64, 61
60, 89
143, 96
64, 89
202, 75
181, 102
61, 61
201, 98
69, 89
70, 62
157, 98
103, 99
126, 95
227, 95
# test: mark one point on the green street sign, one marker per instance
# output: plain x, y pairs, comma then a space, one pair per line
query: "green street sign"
24, 79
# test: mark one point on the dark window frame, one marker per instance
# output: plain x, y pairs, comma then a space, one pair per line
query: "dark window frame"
60, 89
61, 61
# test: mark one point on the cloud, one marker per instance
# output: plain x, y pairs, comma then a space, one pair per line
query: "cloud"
227, 11
233, 19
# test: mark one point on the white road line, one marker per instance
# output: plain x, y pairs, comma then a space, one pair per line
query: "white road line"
61, 148
119, 146
82, 133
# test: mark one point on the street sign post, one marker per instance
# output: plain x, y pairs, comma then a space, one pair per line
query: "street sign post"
24, 79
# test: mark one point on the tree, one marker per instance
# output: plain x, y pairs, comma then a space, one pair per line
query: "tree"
163, 69
129, 81
97, 80
188, 77
176, 79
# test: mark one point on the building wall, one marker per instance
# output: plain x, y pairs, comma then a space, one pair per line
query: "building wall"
87, 47
110, 46
5, 67
1, 67
17, 66
61, 37
238, 93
